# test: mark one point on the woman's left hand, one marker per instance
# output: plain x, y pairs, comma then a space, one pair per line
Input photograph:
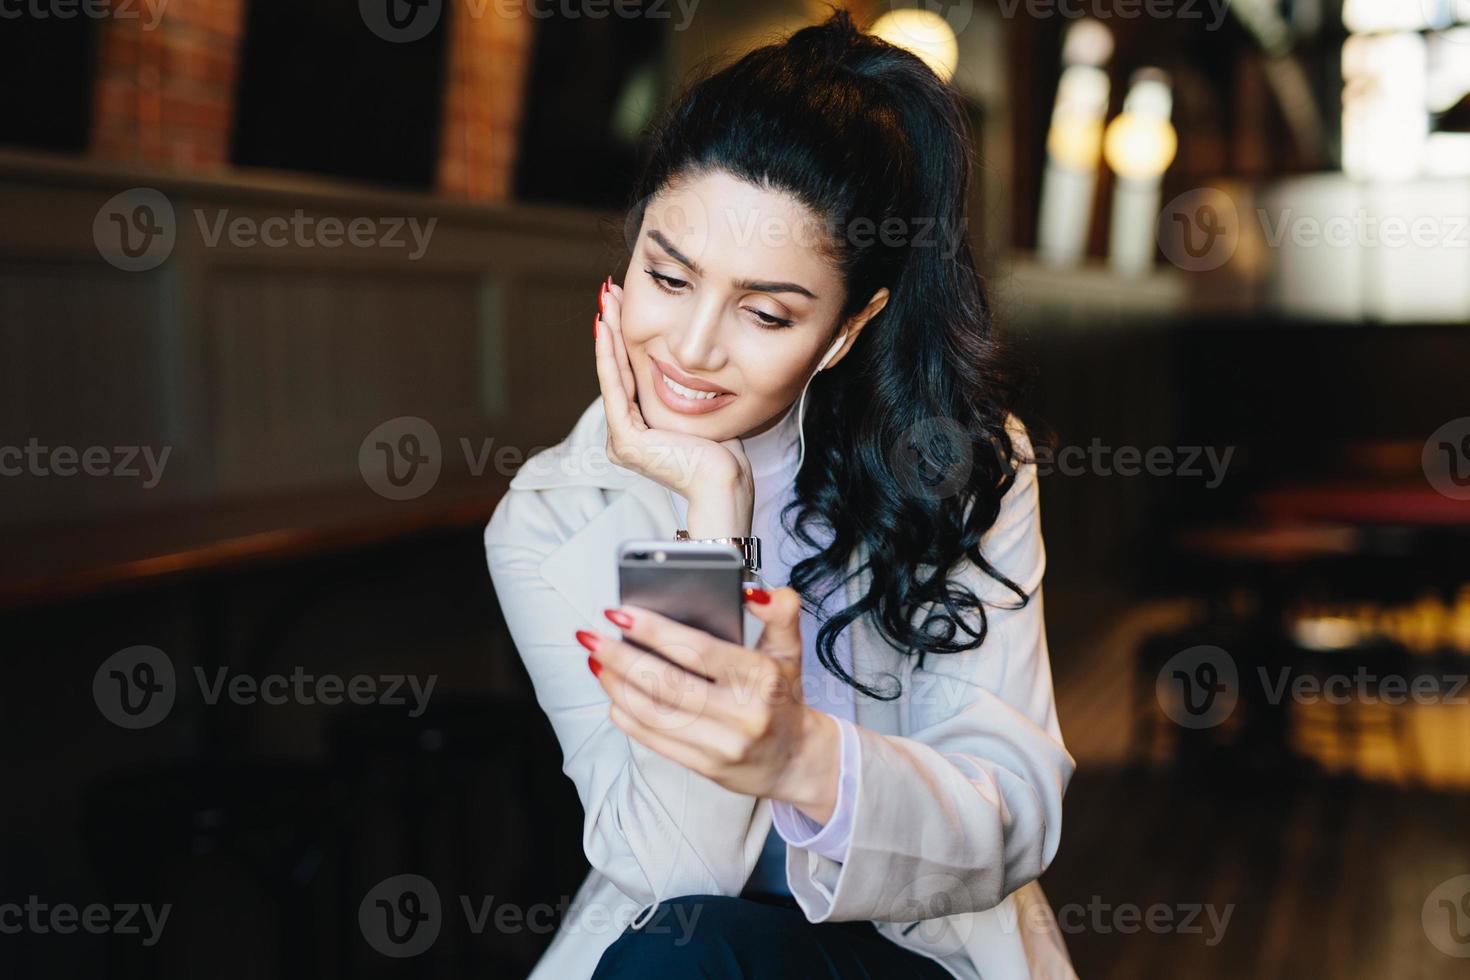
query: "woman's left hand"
733, 714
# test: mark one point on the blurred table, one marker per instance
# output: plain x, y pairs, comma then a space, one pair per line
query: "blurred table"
61, 561
1410, 504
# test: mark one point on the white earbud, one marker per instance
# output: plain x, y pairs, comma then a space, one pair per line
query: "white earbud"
801, 402
836, 345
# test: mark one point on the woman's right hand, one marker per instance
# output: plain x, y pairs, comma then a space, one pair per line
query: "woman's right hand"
714, 477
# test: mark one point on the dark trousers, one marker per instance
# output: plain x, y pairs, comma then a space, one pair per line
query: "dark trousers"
723, 937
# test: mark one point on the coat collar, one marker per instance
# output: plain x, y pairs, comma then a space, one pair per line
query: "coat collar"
582, 568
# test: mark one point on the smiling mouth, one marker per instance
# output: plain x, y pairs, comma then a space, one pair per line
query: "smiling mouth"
684, 399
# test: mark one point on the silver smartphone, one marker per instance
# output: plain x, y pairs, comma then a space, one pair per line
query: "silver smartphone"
695, 583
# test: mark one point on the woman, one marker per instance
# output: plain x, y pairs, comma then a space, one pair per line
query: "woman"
801, 342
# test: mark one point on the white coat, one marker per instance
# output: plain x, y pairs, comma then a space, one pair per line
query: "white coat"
960, 783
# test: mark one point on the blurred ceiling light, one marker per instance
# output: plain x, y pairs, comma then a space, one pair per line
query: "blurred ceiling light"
924, 33
1074, 144
1088, 43
1385, 98
1139, 146
1141, 143
1075, 137
1371, 16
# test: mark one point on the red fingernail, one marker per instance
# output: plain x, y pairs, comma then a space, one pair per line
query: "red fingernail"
620, 619
588, 640
757, 595
601, 298
594, 665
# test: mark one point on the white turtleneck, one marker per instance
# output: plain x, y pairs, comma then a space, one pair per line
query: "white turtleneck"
773, 459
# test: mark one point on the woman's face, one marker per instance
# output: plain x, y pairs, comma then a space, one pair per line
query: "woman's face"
727, 292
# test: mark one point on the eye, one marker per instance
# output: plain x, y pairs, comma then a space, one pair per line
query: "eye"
771, 322
674, 287
668, 284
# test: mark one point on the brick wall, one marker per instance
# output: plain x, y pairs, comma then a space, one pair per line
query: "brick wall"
165, 90
489, 52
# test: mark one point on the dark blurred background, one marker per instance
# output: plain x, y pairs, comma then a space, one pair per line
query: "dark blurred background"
287, 291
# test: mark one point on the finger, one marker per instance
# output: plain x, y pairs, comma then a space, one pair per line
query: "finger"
693, 649
718, 741
615, 401
781, 637
612, 315
678, 690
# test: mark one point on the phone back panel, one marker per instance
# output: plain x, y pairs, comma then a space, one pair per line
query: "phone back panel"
700, 589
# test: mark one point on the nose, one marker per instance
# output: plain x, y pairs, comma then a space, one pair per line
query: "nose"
696, 347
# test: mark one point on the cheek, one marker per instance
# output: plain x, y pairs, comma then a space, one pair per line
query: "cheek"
644, 317
771, 369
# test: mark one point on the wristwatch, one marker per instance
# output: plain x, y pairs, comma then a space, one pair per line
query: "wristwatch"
750, 549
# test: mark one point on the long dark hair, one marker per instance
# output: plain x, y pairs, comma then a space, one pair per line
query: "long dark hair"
862, 132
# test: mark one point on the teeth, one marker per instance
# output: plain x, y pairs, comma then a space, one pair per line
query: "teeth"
688, 392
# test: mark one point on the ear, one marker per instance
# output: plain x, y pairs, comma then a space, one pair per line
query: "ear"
857, 322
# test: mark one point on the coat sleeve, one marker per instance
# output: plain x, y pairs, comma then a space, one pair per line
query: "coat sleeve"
967, 807
653, 827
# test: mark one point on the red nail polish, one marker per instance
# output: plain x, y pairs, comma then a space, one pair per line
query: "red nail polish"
594, 665
757, 595
601, 299
588, 640
619, 618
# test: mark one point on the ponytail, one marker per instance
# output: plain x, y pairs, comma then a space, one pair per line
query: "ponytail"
870, 140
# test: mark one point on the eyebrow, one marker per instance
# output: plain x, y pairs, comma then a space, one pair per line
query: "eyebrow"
751, 284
